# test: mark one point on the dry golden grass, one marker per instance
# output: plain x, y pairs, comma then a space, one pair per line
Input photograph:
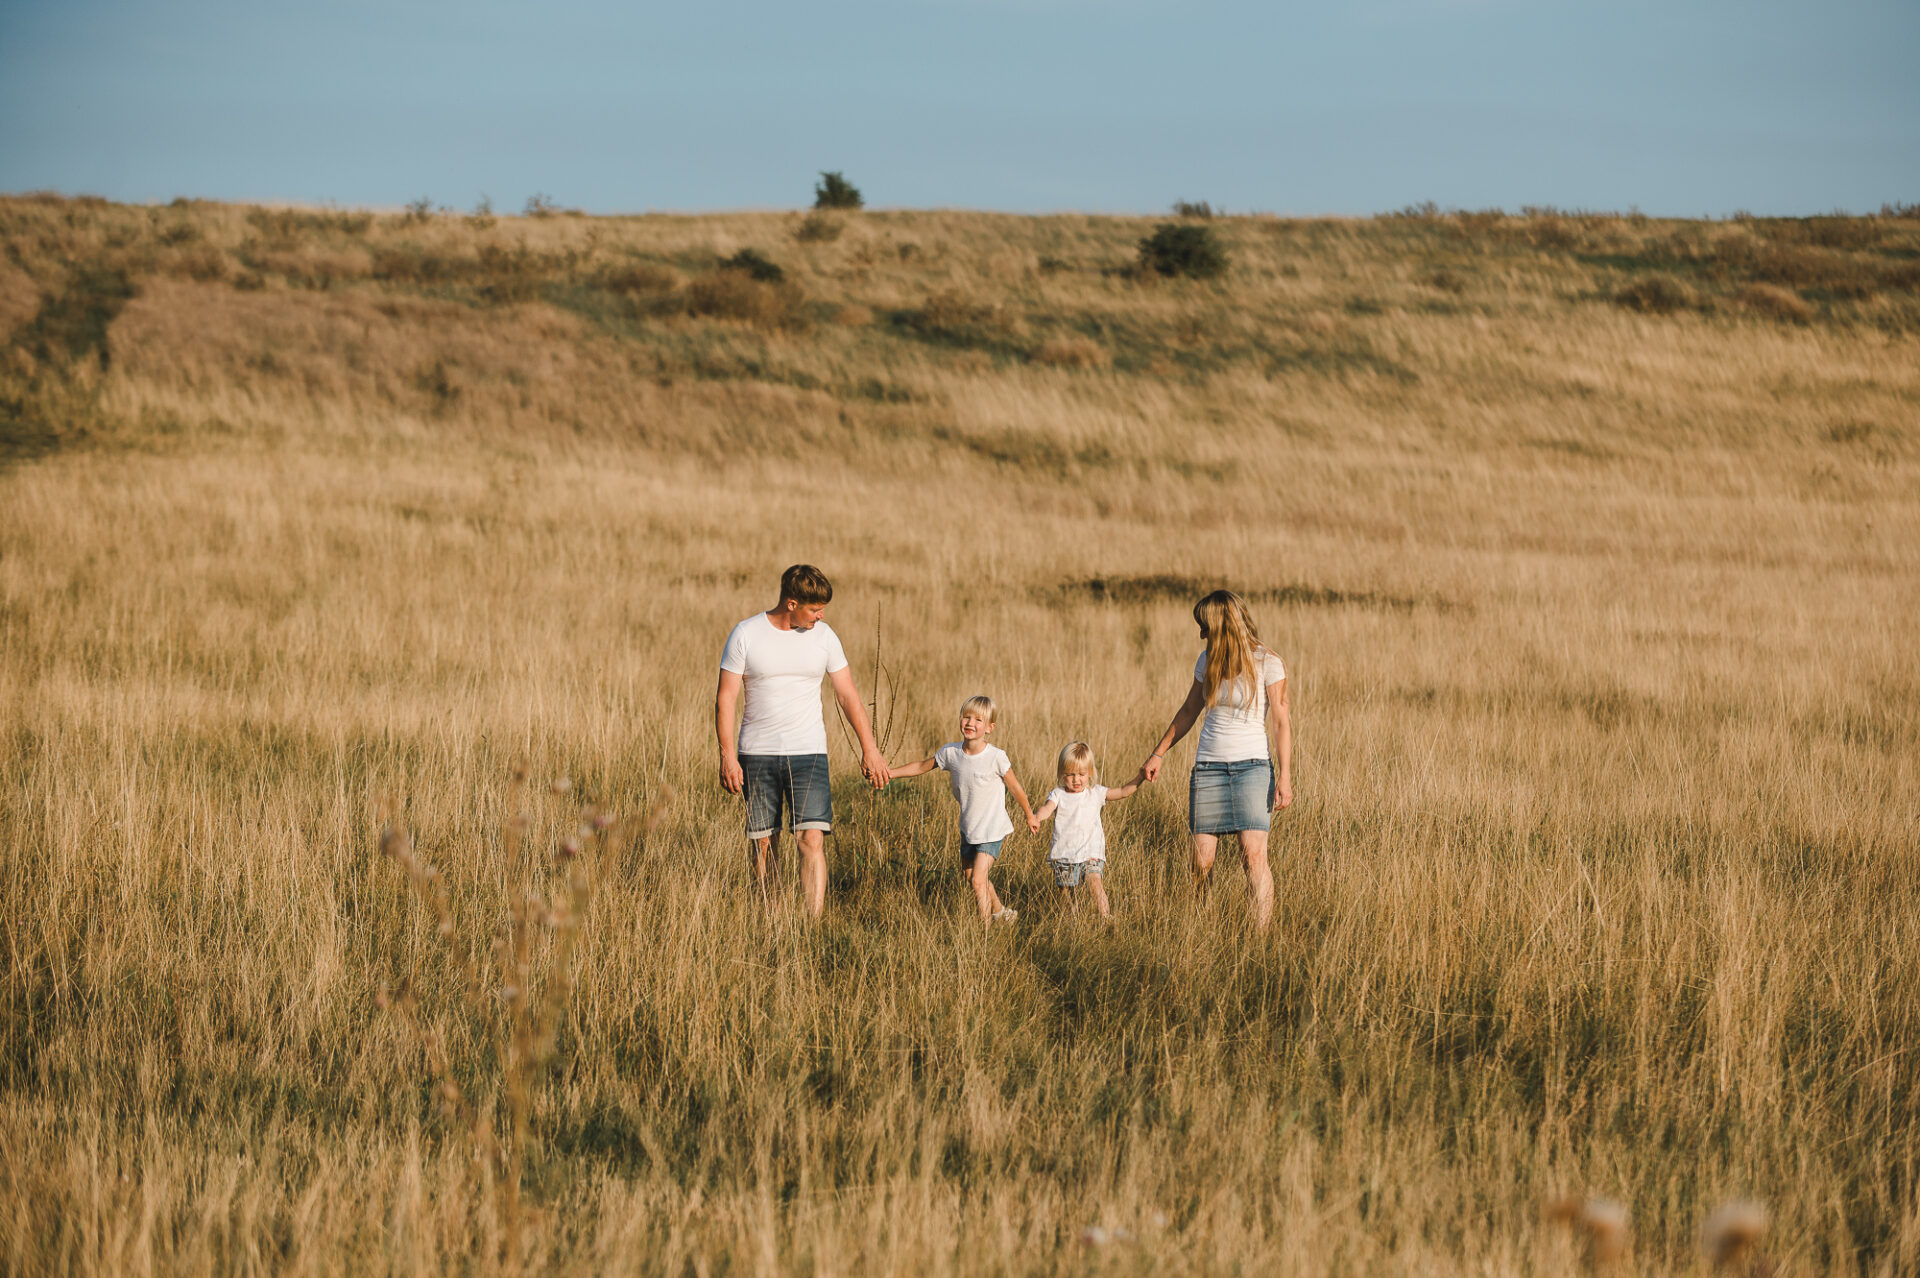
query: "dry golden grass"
1599, 885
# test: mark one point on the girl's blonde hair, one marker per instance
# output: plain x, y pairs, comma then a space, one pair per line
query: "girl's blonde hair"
1231, 641
1076, 754
984, 704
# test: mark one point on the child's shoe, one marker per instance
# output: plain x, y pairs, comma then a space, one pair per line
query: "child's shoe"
1005, 914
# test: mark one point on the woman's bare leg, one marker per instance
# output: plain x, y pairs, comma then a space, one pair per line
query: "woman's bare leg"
1253, 846
1204, 848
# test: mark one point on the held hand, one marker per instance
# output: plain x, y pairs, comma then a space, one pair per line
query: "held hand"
873, 766
1283, 794
1150, 770
1033, 824
732, 777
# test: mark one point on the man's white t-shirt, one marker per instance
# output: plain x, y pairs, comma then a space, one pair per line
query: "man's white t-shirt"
1236, 725
782, 671
1077, 833
980, 788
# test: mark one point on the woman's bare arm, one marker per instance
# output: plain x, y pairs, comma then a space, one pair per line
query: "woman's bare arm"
1183, 721
1280, 724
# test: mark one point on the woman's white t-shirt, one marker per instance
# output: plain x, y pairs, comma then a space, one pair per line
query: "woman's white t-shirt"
1077, 833
781, 670
1236, 724
980, 787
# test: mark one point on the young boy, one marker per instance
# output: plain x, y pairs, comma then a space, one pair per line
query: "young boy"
1079, 840
981, 775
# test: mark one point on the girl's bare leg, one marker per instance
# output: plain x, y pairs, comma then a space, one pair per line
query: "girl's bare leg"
1253, 845
983, 892
1099, 890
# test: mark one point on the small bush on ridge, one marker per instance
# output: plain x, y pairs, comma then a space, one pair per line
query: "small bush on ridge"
1174, 249
818, 228
833, 191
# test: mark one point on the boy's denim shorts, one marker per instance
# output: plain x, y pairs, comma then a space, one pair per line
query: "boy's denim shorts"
1226, 798
1069, 873
795, 782
968, 851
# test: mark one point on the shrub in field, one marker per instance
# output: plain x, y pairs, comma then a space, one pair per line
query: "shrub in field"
540, 204
736, 295
756, 266
1193, 208
482, 216
1071, 352
818, 228
1175, 249
1655, 295
1776, 303
1445, 281
419, 210
833, 191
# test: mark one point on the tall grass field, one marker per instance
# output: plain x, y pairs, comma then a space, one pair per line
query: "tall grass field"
372, 904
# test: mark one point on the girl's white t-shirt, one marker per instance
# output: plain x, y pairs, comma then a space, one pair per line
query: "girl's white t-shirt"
980, 787
1236, 724
1077, 833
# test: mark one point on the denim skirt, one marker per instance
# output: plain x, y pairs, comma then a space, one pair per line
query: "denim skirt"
1226, 798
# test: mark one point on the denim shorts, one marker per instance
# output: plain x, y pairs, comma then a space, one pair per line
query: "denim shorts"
1069, 873
795, 782
968, 851
1226, 798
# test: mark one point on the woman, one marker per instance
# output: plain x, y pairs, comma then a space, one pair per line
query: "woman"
1241, 688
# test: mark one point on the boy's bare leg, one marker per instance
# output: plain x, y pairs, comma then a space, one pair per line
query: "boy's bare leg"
1099, 890
813, 869
983, 892
766, 870
1205, 846
1253, 845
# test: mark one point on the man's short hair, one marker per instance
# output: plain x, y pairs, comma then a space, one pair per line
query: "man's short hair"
805, 584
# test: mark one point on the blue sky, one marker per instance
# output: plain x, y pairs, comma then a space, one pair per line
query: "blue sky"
1022, 105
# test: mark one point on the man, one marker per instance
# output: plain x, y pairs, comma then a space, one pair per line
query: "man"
776, 658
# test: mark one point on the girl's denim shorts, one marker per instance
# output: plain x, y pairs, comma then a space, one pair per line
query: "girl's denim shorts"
1226, 798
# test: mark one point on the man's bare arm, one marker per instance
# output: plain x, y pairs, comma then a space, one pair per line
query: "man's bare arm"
873, 764
725, 700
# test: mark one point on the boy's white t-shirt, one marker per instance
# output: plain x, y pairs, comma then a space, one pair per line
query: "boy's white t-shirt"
980, 788
1077, 833
1236, 724
782, 671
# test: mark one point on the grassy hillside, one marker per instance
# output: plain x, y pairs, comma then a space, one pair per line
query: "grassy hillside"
1591, 544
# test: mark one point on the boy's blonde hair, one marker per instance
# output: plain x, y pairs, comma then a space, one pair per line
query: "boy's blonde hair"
1077, 754
984, 704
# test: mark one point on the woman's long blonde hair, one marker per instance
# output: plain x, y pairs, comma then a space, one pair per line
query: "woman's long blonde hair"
1231, 642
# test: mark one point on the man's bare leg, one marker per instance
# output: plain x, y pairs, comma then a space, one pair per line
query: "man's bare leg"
1205, 846
766, 870
813, 869
1253, 845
